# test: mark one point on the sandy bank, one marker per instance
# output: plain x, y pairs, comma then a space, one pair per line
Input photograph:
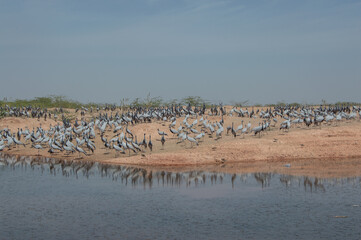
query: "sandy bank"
329, 150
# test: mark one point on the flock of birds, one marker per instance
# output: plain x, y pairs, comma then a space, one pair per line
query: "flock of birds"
186, 124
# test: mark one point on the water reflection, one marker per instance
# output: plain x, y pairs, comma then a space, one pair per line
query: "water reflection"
137, 176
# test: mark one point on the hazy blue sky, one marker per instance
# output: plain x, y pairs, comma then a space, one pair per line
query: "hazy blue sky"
102, 51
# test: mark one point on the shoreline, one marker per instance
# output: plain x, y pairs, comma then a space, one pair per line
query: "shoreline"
329, 150
336, 167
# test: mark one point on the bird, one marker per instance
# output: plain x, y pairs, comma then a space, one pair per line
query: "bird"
162, 133
258, 130
130, 147
150, 144
199, 136
249, 125
129, 132
37, 146
244, 130
329, 118
68, 148
192, 140
182, 136
307, 121
54, 146
90, 146
173, 131
285, 125
319, 120
240, 127
219, 132
117, 129
173, 124
136, 146
144, 142
80, 150
194, 131
234, 131
18, 142
10, 141
118, 148
162, 140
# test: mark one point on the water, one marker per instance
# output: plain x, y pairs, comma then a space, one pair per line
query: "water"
64, 200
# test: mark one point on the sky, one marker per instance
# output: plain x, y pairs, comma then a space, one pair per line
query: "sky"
223, 51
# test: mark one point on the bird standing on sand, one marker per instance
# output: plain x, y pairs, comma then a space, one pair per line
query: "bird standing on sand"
37, 146
80, 150
150, 144
163, 141
144, 143
18, 142
192, 140
118, 148
234, 131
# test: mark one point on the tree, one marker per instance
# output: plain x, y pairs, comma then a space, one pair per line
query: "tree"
193, 100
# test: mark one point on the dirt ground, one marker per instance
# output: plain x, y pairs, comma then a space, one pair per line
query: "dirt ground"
332, 150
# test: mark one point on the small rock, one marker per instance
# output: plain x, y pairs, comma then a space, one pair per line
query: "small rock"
288, 165
222, 160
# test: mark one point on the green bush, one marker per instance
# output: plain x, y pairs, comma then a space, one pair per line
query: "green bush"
44, 102
194, 101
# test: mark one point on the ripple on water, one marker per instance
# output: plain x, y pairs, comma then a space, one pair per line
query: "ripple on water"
103, 201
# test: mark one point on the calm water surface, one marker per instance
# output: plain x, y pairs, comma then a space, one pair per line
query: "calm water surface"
62, 200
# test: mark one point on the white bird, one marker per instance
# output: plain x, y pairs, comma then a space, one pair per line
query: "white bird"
136, 146
56, 147
173, 131
194, 131
180, 129
240, 127
249, 125
244, 130
219, 132
329, 118
117, 128
68, 148
37, 146
10, 141
161, 133
70, 144
182, 136
80, 142
17, 142
173, 124
80, 150
118, 149
195, 122
192, 140
199, 136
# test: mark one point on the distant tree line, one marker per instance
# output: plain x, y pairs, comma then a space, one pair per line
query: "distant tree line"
61, 101
45, 102
54, 101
